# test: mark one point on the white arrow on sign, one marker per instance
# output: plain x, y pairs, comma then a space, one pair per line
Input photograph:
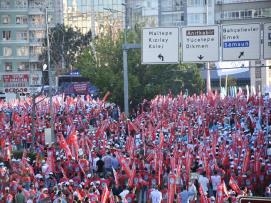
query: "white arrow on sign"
160, 45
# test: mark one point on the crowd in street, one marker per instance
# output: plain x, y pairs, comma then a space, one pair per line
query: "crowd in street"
198, 148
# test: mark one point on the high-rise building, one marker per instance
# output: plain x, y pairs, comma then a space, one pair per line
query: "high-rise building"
248, 11
93, 15
23, 29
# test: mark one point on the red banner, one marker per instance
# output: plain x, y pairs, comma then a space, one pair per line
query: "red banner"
16, 80
80, 87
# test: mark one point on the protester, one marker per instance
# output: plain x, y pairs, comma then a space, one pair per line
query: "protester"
220, 144
155, 195
215, 181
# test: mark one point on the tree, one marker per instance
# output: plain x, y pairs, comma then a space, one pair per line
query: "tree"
102, 63
66, 43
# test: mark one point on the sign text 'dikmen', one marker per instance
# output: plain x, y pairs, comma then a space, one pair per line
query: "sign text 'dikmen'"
200, 44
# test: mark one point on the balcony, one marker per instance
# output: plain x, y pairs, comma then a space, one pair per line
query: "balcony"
36, 41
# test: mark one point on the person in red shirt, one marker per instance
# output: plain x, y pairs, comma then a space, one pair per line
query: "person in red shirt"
131, 197
84, 163
92, 196
7, 196
123, 178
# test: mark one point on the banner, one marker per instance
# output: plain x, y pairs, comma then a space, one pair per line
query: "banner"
231, 67
16, 80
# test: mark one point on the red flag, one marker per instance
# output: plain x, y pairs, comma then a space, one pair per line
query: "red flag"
115, 176
171, 187
123, 164
257, 165
132, 175
219, 194
131, 126
233, 184
203, 197
105, 195
50, 161
63, 145
160, 167
112, 198
225, 190
106, 96
73, 141
188, 165
246, 161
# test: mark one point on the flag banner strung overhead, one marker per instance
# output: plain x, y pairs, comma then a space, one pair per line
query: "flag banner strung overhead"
231, 67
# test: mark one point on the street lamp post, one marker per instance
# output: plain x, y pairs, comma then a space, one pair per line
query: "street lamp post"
125, 47
50, 79
125, 63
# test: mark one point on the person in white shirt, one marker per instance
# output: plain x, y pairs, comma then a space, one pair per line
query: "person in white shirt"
156, 196
216, 180
94, 166
123, 194
192, 188
204, 182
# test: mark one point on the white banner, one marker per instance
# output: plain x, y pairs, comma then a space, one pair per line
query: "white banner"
231, 67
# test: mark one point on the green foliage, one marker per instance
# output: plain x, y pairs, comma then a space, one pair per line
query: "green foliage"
18, 154
65, 44
102, 63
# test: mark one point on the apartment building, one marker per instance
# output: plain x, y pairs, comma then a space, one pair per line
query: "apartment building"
248, 11
23, 29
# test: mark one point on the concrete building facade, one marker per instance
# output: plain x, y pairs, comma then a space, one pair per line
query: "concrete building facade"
248, 11
23, 29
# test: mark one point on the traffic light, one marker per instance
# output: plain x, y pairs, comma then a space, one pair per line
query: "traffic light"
45, 77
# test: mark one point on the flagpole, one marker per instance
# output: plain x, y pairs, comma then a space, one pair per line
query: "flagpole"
125, 62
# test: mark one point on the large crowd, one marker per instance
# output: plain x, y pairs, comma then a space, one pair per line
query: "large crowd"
198, 148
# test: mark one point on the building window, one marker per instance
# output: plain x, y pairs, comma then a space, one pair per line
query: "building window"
5, 4
23, 66
35, 66
6, 35
258, 72
5, 19
37, 20
22, 51
246, 14
21, 35
7, 51
21, 3
35, 51
36, 3
21, 19
36, 36
8, 66
196, 3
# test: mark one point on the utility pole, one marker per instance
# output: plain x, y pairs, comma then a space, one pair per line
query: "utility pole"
125, 62
208, 74
50, 79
